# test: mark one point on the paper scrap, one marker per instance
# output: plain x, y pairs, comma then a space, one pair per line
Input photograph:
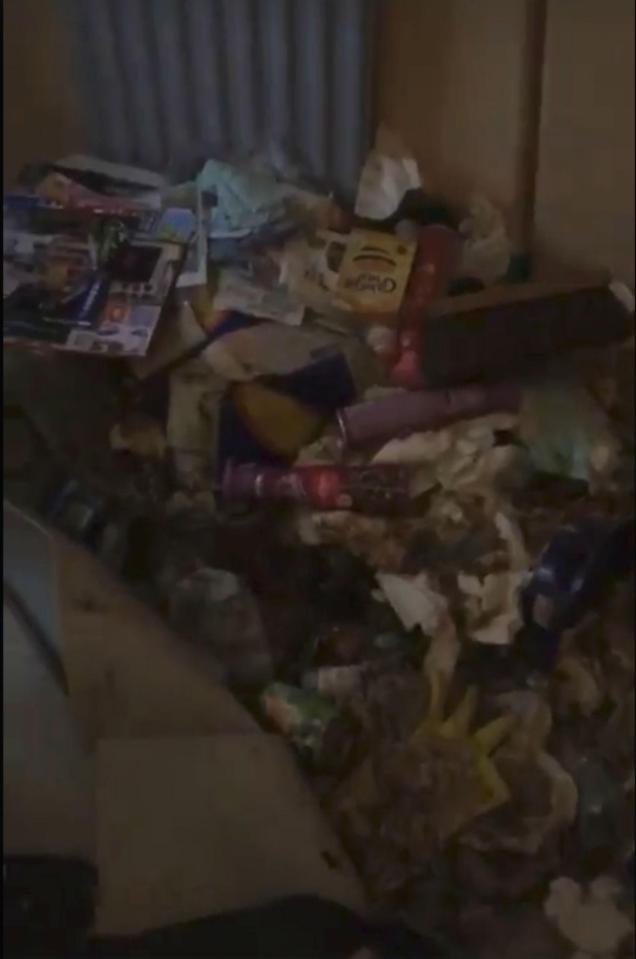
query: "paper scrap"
492, 606
238, 292
590, 920
389, 172
414, 600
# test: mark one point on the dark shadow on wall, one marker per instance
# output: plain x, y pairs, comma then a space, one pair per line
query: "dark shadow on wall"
41, 110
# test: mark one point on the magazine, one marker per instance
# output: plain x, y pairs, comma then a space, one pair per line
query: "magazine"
89, 259
137, 290
195, 267
58, 262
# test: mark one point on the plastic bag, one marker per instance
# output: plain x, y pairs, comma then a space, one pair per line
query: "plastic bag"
487, 248
213, 608
388, 173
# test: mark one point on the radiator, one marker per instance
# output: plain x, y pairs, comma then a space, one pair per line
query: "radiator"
167, 83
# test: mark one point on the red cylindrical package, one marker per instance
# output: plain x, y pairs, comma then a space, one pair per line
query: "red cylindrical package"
438, 249
401, 413
369, 489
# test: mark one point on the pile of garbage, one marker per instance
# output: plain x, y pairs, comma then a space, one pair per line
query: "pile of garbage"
390, 491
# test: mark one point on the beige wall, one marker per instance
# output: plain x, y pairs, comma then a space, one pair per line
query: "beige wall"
41, 115
460, 80
584, 210
451, 81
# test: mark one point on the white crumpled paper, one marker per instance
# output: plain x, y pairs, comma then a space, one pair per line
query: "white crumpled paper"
371, 538
463, 456
590, 920
492, 607
486, 249
491, 603
414, 600
417, 602
388, 173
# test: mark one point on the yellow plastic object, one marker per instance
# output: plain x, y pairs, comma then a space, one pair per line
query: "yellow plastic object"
453, 735
280, 423
445, 760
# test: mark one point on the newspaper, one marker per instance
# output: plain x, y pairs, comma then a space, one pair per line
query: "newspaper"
238, 292
125, 325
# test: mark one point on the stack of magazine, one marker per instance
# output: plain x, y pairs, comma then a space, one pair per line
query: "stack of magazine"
91, 256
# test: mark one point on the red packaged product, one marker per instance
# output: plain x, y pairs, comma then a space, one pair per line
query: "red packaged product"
436, 258
368, 489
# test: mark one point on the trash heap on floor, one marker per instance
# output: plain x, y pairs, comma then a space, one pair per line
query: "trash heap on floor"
391, 491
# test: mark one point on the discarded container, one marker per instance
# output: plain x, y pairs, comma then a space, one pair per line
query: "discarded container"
572, 573
213, 608
339, 682
401, 413
438, 250
365, 488
302, 715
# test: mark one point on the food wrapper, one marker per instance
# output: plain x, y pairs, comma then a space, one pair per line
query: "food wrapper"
524, 754
445, 765
301, 715
374, 273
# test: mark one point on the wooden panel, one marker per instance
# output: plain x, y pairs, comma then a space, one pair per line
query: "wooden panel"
452, 81
41, 109
585, 190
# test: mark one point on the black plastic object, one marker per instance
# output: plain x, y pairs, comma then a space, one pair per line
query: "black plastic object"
418, 207
527, 326
629, 868
49, 910
302, 927
573, 572
48, 906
